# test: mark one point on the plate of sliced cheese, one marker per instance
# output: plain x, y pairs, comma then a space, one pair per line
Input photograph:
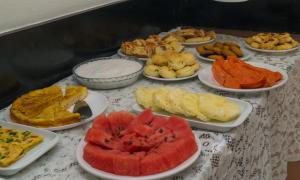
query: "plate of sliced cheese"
20, 145
51, 108
202, 110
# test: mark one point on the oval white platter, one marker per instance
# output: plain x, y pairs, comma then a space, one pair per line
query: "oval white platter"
106, 175
270, 51
50, 140
245, 57
206, 77
245, 107
197, 43
97, 102
171, 79
130, 57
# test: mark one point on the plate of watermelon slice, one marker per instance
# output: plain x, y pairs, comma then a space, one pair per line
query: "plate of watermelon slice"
122, 146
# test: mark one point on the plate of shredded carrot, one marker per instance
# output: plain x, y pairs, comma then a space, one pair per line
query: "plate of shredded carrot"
235, 75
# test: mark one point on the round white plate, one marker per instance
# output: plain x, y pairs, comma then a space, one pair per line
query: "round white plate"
270, 51
97, 102
106, 175
206, 77
130, 57
245, 57
171, 79
197, 43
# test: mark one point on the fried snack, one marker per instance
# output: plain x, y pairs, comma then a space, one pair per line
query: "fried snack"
167, 73
152, 70
171, 65
220, 50
272, 41
215, 57
236, 50
154, 44
193, 35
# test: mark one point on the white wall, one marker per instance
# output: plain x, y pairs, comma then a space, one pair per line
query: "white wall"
20, 14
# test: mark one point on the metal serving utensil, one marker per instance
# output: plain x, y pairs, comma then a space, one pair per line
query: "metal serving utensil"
83, 109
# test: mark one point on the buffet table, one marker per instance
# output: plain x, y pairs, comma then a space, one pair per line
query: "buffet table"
257, 149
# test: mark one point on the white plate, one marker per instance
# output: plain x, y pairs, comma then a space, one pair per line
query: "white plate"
50, 140
130, 57
197, 43
206, 77
172, 79
270, 51
97, 102
106, 175
245, 107
245, 57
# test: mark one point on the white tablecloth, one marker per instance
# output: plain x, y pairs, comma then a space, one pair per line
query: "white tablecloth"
257, 149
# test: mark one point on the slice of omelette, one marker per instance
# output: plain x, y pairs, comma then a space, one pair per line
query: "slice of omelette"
14, 143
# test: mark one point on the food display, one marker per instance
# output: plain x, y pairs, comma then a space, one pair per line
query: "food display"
202, 106
220, 50
172, 65
15, 143
234, 73
272, 41
48, 107
154, 44
193, 35
124, 144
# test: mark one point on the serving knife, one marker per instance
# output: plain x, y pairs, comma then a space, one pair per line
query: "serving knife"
83, 109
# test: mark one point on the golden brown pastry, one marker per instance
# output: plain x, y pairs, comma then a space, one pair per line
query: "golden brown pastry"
272, 41
167, 73
220, 50
152, 70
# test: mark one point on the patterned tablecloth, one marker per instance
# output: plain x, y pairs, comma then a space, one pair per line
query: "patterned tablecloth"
257, 149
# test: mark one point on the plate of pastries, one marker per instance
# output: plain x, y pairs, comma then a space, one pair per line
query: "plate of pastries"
221, 50
52, 108
193, 36
142, 49
271, 42
172, 66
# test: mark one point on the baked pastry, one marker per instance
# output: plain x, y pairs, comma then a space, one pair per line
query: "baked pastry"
154, 44
47, 107
272, 41
172, 64
192, 35
14, 144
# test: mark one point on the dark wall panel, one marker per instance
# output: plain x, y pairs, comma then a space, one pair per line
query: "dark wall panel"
42, 55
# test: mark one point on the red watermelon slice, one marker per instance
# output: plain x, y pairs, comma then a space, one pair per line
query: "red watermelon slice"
100, 138
126, 164
99, 158
153, 163
143, 145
